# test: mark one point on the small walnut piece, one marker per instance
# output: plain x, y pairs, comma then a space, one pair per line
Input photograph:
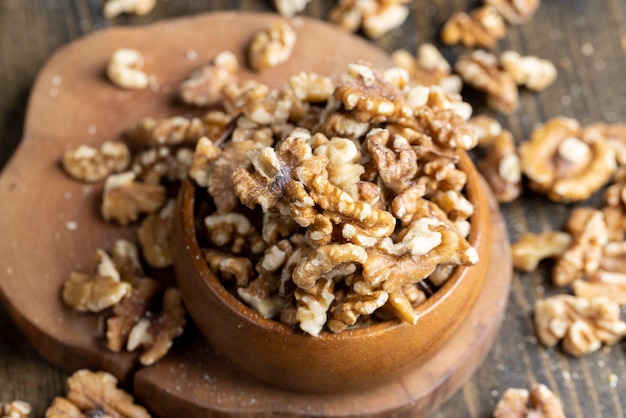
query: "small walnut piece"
487, 129
150, 132
154, 236
90, 164
125, 69
206, 85
124, 198
290, 7
15, 409
95, 394
313, 305
543, 403
114, 8
515, 12
482, 70
565, 161
583, 325
530, 249
98, 292
502, 169
428, 68
375, 17
482, 27
529, 71
272, 46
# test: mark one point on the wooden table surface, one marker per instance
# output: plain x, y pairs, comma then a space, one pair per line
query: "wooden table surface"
585, 39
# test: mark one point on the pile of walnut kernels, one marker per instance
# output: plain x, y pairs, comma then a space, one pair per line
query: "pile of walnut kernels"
158, 153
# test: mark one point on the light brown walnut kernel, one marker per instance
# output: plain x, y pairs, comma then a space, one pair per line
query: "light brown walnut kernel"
428, 68
95, 394
375, 17
343, 168
261, 295
349, 306
532, 72
154, 236
615, 135
272, 46
482, 27
156, 164
150, 132
226, 266
125, 69
125, 258
543, 403
290, 7
311, 87
582, 258
607, 284
94, 293
90, 164
530, 249
487, 129
502, 169
124, 198
583, 325
15, 409
154, 333
114, 8
206, 85
313, 305
515, 12
482, 70
204, 156
323, 260
565, 162
129, 311
396, 162
235, 230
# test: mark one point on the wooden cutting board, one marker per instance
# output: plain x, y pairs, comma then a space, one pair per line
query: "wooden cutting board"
50, 224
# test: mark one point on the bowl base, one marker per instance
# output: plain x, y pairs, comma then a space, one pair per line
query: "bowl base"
195, 381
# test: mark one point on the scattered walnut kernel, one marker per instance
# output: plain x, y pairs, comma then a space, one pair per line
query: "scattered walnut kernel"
125, 69
156, 164
98, 292
565, 162
515, 12
583, 325
487, 129
502, 169
481, 70
375, 17
543, 403
272, 46
124, 198
290, 7
582, 258
313, 305
154, 236
530, 249
529, 71
95, 394
482, 27
114, 8
206, 85
150, 132
428, 68
15, 409
615, 135
89, 164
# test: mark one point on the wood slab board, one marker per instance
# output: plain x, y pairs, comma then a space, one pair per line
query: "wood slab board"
72, 103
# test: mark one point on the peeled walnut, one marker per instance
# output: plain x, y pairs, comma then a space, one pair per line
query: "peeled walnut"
290, 7
311, 87
124, 199
155, 164
235, 230
15, 409
154, 236
529, 71
322, 261
565, 162
125, 69
610, 278
95, 293
583, 325
530, 249
95, 394
482, 27
515, 12
487, 129
150, 132
261, 295
428, 68
543, 403
226, 266
204, 156
206, 85
90, 164
615, 135
482, 70
271, 46
502, 169
376, 17
114, 8
313, 305
583, 256
156, 330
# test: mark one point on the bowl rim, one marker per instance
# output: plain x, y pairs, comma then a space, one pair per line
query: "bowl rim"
247, 314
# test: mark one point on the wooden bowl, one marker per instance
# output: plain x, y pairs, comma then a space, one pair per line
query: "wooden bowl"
328, 363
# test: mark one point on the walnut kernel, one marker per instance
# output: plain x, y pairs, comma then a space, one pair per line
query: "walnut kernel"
125, 69
90, 164
272, 46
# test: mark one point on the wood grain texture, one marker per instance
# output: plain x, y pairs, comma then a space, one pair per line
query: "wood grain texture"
587, 41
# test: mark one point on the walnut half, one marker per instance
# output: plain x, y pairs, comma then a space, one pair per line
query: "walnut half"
15, 409
543, 404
